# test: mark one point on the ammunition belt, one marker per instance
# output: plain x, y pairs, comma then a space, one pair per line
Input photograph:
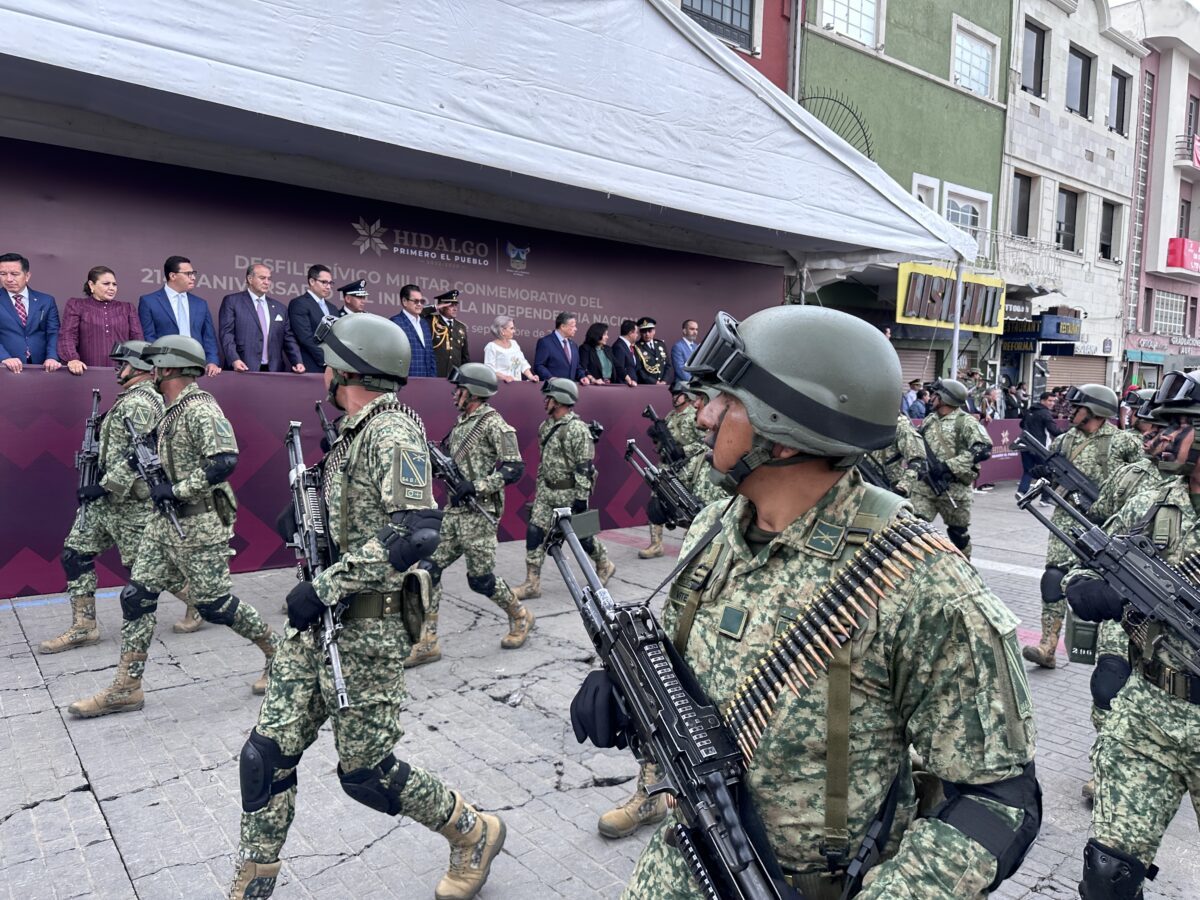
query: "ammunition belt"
195, 508
828, 622
372, 605
1183, 685
561, 484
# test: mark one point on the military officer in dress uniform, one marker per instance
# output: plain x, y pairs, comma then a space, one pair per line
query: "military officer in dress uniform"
450, 349
651, 355
354, 296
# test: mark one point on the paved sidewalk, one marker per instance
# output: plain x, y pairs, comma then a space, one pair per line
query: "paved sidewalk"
146, 804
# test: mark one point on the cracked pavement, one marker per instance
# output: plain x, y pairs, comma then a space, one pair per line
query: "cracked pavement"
146, 804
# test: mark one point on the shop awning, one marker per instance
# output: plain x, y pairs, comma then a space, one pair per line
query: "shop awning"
623, 118
1145, 356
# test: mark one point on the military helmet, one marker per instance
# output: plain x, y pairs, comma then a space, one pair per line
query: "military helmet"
563, 390
1135, 399
131, 353
476, 379
367, 345
950, 392
1097, 399
1179, 395
174, 351
798, 372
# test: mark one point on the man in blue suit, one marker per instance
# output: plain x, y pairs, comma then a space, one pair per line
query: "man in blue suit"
416, 329
28, 319
306, 312
682, 349
556, 355
173, 309
254, 329
624, 362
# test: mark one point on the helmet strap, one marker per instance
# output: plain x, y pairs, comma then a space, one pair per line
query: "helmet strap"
759, 454
338, 380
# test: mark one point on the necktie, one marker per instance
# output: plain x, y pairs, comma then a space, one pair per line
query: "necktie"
566, 351
181, 315
19, 303
265, 323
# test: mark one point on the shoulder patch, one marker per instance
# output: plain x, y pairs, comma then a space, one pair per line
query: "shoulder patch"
509, 445
225, 442
825, 538
411, 471
142, 417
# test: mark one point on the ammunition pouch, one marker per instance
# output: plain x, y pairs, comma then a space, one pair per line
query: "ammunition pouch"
411, 603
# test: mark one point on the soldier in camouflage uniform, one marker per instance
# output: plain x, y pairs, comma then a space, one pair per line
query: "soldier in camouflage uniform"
958, 440
566, 476
681, 425
380, 513
1097, 448
798, 517
485, 448
198, 453
1145, 758
903, 460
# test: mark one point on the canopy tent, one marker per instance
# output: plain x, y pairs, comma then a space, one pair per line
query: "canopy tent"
616, 118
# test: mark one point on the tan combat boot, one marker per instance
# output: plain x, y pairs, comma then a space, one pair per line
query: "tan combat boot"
520, 623
531, 587
254, 880
606, 570
83, 630
190, 622
1089, 791
1043, 653
427, 649
123, 695
472, 850
268, 644
638, 810
655, 549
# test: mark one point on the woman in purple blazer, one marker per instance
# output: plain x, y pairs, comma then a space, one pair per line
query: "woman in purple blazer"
91, 324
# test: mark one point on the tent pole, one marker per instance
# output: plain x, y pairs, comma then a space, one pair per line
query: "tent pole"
958, 299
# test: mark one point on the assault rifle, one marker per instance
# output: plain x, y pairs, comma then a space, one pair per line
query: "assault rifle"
873, 473
673, 725
677, 502
313, 550
669, 451
149, 467
1131, 566
329, 429
936, 474
1060, 471
445, 468
87, 458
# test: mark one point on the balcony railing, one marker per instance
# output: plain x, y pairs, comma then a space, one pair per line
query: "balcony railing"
1187, 149
1020, 260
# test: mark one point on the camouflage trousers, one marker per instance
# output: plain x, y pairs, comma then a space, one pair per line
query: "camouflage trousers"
467, 533
1111, 640
1146, 758
929, 506
545, 501
300, 698
200, 560
99, 525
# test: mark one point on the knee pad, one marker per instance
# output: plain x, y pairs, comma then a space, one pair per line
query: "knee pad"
1109, 874
261, 758
1108, 678
482, 584
137, 600
377, 787
1052, 590
75, 563
588, 544
534, 537
434, 570
220, 611
959, 536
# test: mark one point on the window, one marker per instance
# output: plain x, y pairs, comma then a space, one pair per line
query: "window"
1065, 219
1184, 229
974, 58
853, 18
1110, 224
964, 214
1033, 58
1022, 190
1193, 115
1079, 82
729, 20
1118, 95
1169, 311
926, 190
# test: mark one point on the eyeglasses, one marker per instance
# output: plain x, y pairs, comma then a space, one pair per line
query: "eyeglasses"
191, 274
323, 280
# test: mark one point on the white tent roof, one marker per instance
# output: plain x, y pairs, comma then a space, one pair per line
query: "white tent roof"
624, 115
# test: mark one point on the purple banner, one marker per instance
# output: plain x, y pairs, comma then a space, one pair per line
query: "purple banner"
41, 427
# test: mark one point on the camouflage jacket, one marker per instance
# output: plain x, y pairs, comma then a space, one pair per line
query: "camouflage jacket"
566, 466
494, 443
962, 702
1123, 485
954, 440
144, 407
898, 457
696, 477
681, 423
192, 430
379, 465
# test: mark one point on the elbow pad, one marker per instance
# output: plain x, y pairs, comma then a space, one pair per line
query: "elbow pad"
961, 812
511, 472
585, 469
220, 467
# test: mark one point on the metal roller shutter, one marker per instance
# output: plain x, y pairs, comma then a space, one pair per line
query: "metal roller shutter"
918, 364
1068, 370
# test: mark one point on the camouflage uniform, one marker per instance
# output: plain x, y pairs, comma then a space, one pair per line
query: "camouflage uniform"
964, 705
953, 438
899, 461
118, 518
681, 423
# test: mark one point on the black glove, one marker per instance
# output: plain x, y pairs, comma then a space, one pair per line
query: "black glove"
595, 715
89, 493
464, 491
1039, 472
162, 492
285, 523
578, 506
1093, 600
304, 606
412, 535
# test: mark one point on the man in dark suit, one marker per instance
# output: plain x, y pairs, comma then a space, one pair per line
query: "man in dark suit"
173, 309
28, 319
306, 312
449, 335
417, 330
624, 362
556, 355
254, 329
